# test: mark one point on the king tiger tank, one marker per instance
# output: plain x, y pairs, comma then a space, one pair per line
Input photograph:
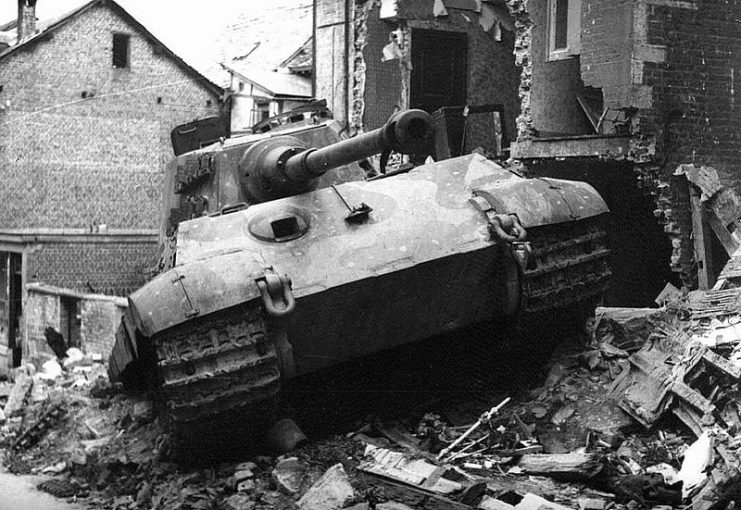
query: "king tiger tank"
281, 258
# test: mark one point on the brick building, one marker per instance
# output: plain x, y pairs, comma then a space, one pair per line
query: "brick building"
87, 103
374, 57
621, 93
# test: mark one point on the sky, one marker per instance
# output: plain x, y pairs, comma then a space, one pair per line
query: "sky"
205, 33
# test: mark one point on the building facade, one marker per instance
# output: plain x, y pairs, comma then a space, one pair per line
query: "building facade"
87, 104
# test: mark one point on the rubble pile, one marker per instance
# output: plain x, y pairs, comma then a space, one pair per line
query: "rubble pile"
644, 415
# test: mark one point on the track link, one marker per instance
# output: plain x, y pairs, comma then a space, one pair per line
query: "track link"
569, 264
219, 381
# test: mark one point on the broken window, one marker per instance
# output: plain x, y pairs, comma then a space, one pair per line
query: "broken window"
564, 28
121, 51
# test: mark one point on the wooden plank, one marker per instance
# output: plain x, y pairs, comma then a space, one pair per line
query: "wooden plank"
701, 240
721, 363
724, 236
412, 496
566, 465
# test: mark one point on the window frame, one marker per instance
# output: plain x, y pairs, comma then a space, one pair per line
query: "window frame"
573, 31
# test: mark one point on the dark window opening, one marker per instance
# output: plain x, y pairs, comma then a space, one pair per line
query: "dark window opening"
241, 86
159, 100
120, 51
1, 88
208, 103
561, 28
83, 94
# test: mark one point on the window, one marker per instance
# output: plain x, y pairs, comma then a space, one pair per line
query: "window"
120, 51
564, 29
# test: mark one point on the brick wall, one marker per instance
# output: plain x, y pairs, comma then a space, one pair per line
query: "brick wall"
694, 115
114, 267
100, 319
84, 143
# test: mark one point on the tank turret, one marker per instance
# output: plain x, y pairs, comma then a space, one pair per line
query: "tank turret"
284, 165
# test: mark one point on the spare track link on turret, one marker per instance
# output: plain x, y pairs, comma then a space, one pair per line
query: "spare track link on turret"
219, 381
570, 265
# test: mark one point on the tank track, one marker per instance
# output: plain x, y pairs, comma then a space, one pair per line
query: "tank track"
218, 378
569, 265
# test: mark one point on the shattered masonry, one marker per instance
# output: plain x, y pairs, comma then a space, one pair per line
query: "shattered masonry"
524, 26
357, 106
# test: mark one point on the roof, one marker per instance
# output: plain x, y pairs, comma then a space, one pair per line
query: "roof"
278, 28
301, 60
205, 34
45, 28
278, 83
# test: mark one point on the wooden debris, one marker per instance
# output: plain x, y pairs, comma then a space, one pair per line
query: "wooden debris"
413, 496
562, 465
401, 468
483, 419
17, 397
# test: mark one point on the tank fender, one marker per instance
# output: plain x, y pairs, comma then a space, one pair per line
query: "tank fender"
196, 289
539, 202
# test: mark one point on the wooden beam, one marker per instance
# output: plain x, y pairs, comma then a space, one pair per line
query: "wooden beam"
702, 244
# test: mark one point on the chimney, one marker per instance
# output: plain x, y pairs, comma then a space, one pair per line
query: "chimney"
26, 20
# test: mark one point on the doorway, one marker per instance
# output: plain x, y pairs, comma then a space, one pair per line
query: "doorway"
11, 304
439, 69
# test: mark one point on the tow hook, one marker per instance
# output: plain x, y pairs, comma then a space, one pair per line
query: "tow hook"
277, 295
507, 229
521, 253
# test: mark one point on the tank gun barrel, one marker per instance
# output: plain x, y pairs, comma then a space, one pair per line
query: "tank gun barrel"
409, 131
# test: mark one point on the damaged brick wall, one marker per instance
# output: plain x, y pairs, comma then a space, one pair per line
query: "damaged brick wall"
40, 310
693, 117
99, 321
379, 102
493, 77
523, 34
360, 40
115, 268
99, 318
675, 63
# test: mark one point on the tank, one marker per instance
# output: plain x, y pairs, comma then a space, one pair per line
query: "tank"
280, 258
